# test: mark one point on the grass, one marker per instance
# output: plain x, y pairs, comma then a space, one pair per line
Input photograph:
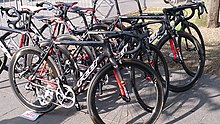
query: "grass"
199, 21
211, 38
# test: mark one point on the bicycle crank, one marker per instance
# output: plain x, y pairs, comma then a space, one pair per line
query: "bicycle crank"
65, 96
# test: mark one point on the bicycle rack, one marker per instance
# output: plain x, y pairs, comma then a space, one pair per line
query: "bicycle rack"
109, 3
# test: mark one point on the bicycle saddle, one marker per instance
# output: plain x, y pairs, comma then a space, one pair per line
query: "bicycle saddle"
66, 4
33, 8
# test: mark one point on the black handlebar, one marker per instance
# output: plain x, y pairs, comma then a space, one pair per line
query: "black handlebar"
202, 8
13, 12
7, 10
126, 36
51, 7
166, 1
174, 11
43, 3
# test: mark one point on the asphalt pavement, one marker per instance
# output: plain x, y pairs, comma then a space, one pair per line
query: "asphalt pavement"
199, 105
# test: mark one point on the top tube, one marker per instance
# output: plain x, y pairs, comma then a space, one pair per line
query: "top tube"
3, 28
80, 43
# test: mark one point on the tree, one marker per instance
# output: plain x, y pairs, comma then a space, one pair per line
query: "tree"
213, 16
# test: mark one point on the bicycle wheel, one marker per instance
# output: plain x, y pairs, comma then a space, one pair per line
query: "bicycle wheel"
75, 62
11, 39
145, 90
192, 29
156, 60
186, 68
35, 94
3, 57
80, 56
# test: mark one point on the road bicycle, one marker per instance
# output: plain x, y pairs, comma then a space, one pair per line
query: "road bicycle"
33, 33
188, 26
8, 44
184, 54
18, 30
130, 82
152, 51
190, 76
185, 24
185, 59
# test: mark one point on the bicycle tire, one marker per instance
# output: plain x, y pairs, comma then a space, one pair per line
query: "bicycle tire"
14, 80
108, 101
160, 66
199, 36
4, 58
201, 56
86, 49
25, 42
186, 78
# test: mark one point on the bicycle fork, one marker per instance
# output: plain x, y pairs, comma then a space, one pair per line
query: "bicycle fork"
122, 85
175, 55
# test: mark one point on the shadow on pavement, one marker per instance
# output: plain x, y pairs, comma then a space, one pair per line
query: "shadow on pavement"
203, 98
182, 105
57, 116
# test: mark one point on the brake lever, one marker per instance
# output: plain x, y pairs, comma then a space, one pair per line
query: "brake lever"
2, 13
205, 8
199, 13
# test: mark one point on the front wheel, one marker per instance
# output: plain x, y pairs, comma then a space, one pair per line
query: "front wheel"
105, 104
192, 29
184, 68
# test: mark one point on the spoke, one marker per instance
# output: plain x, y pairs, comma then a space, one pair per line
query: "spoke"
120, 115
137, 111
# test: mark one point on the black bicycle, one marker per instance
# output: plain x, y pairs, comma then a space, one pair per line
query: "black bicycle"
9, 41
123, 82
184, 54
185, 24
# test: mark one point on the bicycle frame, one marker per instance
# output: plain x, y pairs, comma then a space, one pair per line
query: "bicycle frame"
81, 82
10, 30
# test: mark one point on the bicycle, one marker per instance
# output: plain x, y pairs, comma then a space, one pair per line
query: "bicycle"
8, 44
17, 30
175, 45
28, 25
152, 51
176, 55
185, 24
188, 26
181, 50
41, 72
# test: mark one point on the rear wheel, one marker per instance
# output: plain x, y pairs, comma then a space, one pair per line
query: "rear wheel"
155, 59
31, 82
10, 41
